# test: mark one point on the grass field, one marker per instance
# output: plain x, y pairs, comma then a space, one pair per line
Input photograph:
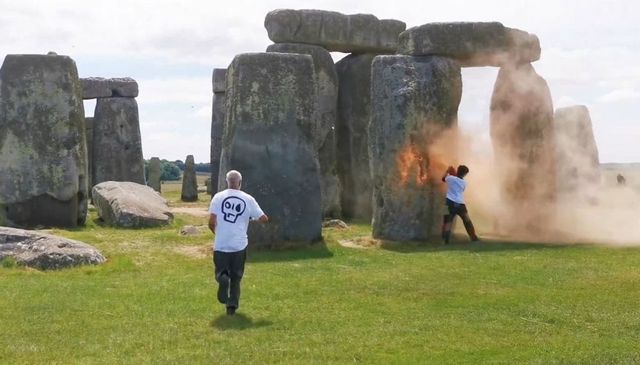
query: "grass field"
154, 302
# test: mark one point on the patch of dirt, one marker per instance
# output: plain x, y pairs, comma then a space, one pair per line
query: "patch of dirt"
196, 252
193, 211
361, 242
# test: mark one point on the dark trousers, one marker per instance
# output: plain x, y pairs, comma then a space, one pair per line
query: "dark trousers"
459, 210
230, 265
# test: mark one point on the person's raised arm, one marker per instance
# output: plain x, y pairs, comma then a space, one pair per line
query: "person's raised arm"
263, 219
450, 171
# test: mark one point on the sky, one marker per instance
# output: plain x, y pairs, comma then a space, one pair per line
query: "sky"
590, 56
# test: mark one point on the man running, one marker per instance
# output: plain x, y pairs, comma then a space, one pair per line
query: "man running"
455, 202
230, 213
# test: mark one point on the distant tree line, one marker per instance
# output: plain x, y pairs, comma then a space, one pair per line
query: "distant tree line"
170, 170
200, 167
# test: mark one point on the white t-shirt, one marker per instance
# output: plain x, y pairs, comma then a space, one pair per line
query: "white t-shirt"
455, 188
233, 209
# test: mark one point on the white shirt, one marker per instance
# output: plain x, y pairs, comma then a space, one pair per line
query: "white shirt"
455, 188
233, 209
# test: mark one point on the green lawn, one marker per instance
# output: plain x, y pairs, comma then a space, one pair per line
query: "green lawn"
154, 303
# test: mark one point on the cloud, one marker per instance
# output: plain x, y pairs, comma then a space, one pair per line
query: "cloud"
620, 95
170, 48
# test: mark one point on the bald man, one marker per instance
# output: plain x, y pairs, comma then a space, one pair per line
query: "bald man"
230, 212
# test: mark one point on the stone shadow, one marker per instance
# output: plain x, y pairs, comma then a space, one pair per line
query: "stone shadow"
291, 252
237, 322
478, 247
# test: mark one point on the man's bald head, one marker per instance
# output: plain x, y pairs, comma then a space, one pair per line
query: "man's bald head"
234, 179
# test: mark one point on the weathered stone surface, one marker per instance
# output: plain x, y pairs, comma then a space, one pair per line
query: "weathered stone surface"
329, 181
471, 44
354, 112
123, 87
219, 80
414, 100
99, 87
88, 123
95, 87
155, 172
358, 33
524, 148
217, 128
189, 181
117, 143
207, 183
45, 251
325, 131
577, 153
128, 204
43, 152
271, 114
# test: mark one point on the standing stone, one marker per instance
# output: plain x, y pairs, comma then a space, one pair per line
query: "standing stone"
271, 116
189, 181
207, 183
358, 33
117, 144
414, 100
217, 123
155, 173
578, 162
471, 44
89, 135
354, 112
327, 110
523, 140
43, 151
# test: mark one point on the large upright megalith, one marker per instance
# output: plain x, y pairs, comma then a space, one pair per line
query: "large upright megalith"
358, 33
117, 147
189, 181
524, 147
578, 162
217, 123
324, 135
271, 116
414, 101
89, 136
155, 174
354, 112
43, 152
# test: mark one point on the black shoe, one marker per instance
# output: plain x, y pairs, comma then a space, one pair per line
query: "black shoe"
231, 311
223, 289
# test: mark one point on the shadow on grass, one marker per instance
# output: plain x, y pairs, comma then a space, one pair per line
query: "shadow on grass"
316, 250
237, 322
479, 247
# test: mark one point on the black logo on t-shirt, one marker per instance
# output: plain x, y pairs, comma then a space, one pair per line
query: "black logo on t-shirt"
232, 208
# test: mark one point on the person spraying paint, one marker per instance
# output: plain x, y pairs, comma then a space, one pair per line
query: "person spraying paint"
455, 203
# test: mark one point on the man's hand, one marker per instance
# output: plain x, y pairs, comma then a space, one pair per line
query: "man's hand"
450, 171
